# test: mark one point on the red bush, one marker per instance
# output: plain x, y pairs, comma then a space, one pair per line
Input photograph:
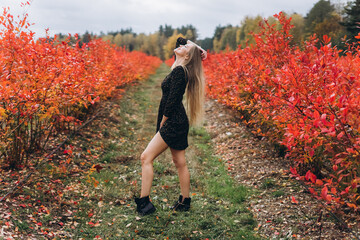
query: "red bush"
170, 61
306, 99
46, 83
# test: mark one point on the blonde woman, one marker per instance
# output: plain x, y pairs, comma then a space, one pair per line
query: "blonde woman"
172, 128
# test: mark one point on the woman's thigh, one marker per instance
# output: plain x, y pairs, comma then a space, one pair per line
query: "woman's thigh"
178, 157
155, 147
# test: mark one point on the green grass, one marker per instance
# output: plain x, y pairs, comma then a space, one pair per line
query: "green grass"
267, 183
278, 193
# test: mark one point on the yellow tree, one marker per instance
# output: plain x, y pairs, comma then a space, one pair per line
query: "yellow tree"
299, 26
248, 25
108, 37
118, 40
189, 34
228, 39
170, 45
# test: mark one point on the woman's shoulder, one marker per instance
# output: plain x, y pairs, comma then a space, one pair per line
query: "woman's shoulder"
178, 70
178, 73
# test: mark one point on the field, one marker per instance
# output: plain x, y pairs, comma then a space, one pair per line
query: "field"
76, 116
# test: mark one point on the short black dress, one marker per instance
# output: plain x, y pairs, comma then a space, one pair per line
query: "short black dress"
175, 129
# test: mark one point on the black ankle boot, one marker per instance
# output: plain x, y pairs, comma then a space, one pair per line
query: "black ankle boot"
144, 206
182, 205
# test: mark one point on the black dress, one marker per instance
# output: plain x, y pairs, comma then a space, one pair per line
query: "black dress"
175, 129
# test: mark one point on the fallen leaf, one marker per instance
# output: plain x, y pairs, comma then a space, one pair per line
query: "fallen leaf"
293, 200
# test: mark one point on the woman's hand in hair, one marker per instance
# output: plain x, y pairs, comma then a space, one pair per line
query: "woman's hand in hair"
203, 52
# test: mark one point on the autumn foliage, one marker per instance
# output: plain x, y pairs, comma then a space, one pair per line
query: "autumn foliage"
47, 85
306, 99
170, 61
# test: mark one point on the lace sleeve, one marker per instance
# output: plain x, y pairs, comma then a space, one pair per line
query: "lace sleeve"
177, 90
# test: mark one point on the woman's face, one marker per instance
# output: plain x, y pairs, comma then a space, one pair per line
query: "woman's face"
182, 50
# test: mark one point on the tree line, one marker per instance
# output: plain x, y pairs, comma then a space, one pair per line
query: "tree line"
341, 22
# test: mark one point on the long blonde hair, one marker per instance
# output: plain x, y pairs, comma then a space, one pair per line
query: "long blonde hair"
195, 89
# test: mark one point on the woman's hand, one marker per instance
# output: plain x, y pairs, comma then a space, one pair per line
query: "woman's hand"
163, 120
203, 54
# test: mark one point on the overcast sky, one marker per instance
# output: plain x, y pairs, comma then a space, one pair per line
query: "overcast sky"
145, 16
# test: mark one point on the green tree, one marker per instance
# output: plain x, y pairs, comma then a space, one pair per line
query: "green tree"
168, 31
352, 19
330, 27
185, 30
86, 37
206, 44
319, 12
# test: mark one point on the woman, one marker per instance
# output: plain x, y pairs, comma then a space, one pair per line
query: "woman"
173, 124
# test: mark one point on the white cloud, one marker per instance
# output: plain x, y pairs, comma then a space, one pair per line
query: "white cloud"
77, 16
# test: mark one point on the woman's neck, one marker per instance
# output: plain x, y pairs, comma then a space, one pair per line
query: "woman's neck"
179, 61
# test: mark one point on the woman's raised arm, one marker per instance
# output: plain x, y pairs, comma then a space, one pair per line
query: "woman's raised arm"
203, 52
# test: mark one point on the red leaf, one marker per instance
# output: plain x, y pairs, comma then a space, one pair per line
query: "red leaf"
340, 135
324, 194
316, 115
319, 182
293, 171
311, 176
312, 191
293, 200
345, 191
335, 167
351, 205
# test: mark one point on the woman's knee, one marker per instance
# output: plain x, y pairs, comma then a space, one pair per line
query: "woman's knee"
179, 163
145, 158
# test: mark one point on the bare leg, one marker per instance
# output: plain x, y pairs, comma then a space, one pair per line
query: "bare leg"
183, 171
155, 147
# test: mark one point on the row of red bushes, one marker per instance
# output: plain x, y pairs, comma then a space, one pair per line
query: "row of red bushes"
304, 98
47, 85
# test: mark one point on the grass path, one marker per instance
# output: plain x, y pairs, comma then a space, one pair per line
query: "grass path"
217, 209
106, 209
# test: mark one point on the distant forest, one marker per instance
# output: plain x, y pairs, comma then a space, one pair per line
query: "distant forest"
325, 18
